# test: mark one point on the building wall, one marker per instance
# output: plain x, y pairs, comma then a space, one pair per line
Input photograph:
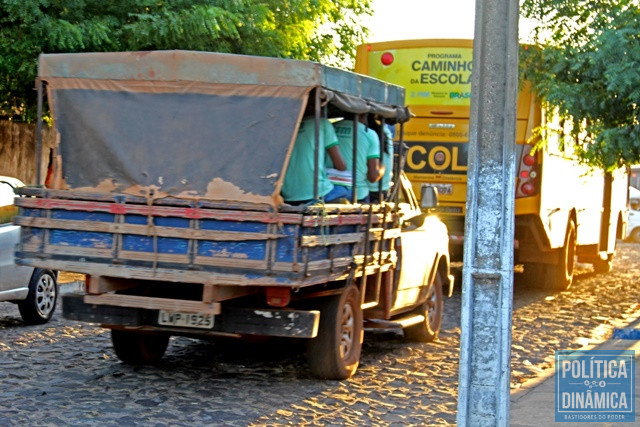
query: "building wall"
18, 150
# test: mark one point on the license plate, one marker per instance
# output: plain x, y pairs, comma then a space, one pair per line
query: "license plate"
185, 320
443, 189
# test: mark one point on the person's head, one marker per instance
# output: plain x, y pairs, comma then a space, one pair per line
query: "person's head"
376, 125
373, 123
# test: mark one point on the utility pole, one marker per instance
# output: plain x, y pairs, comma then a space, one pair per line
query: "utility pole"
487, 279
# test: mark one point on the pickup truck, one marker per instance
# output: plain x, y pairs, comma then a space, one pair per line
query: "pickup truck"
164, 190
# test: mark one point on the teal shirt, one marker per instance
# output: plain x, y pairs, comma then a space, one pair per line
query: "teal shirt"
387, 161
368, 148
298, 180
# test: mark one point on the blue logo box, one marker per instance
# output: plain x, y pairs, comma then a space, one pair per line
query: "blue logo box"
595, 386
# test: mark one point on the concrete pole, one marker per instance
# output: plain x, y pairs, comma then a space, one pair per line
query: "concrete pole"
487, 279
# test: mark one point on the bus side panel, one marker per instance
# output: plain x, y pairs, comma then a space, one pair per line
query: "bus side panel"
619, 208
569, 187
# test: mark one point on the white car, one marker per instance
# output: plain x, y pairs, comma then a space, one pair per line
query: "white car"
34, 290
633, 231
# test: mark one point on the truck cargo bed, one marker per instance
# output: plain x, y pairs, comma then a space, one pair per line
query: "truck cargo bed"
224, 244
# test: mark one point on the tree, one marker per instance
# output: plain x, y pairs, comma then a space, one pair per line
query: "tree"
320, 30
586, 64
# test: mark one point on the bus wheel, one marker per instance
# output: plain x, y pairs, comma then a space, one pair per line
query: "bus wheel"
335, 353
602, 266
534, 275
431, 309
560, 275
139, 348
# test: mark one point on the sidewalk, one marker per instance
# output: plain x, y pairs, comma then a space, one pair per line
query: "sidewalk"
534, 403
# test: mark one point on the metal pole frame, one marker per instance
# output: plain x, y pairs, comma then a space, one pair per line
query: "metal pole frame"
397, 168
316, 136
354, 193
381, 136
39, 88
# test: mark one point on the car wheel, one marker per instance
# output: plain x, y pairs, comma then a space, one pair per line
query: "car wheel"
635, 236
42, 298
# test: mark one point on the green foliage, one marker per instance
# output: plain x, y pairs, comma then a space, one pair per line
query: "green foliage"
587, 65
319, 30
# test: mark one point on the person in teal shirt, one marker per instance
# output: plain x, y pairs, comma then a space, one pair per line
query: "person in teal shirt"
368, 168
297, 187
387, 161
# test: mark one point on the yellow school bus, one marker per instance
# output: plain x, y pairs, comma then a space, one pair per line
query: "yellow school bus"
563, 209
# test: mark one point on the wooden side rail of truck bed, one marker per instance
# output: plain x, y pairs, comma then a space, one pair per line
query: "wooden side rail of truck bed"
130, 238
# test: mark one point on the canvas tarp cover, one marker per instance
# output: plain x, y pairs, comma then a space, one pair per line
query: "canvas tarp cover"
223, 143
184, 124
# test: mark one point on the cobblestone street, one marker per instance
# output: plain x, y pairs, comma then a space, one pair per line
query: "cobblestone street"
65, 373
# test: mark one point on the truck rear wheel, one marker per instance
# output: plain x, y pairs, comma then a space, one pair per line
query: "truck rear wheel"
560, 275
431, 309
335, 353
139, 348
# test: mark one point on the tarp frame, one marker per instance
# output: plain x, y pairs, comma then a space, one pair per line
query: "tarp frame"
179, 77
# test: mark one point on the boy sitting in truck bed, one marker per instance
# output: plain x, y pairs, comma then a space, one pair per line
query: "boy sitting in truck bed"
297, 188
368, 167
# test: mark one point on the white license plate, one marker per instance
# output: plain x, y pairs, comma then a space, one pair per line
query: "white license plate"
443, 189
185, 320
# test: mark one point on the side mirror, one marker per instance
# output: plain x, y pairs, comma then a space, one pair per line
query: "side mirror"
428, 197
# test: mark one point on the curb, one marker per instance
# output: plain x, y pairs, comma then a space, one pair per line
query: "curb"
627, 334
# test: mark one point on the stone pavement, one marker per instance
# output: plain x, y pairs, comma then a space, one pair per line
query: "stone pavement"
534, 403
240, 384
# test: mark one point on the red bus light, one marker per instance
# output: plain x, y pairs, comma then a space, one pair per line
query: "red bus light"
386, 58
528, 189
529, 160
524, 174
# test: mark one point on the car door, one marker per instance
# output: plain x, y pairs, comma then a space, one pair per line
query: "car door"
12, 276
417, 253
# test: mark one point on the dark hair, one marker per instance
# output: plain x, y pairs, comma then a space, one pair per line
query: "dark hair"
377, 127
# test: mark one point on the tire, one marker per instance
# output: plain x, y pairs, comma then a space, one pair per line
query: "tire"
603, 266
534, 275
335, 353
635, 235
42, 298
560, 275
139, 348
431, 309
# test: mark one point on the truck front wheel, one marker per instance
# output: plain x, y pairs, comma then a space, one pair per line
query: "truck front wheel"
139, 348
335, 353
431, 309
